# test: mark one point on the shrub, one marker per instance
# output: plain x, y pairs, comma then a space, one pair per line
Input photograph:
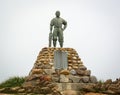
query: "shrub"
13, 82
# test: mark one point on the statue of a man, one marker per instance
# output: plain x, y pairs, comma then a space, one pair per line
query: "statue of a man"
57, 23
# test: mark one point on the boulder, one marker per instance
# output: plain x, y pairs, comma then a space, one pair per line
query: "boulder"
75, 79
64, 78
33, 77
37, 71
109, 92
80, 72
69, 92
73, 72
109, 81
2, 89
27, 84
87, 73
45, 90
74, 57
21, 90
82, 67
55, 78
47, 78
93, 79
47, 66
64, 72
48, 71
15, 88
75, 67
85, 79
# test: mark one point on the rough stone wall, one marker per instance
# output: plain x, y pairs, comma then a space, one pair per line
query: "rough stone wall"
43, 76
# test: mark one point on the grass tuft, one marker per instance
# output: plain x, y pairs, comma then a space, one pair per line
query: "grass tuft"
12, 82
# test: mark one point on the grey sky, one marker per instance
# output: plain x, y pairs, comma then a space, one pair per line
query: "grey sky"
93, 30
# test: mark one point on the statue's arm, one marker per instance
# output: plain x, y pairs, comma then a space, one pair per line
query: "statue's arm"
51, 26
65, 24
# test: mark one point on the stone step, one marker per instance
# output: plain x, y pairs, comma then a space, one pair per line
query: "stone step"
73, 86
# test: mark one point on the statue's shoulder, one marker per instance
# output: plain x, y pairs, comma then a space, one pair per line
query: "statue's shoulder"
54, 19
64, 21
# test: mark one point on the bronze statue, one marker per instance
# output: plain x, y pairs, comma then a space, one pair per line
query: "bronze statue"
57, 23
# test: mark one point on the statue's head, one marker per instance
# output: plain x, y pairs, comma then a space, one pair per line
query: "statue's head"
57, 13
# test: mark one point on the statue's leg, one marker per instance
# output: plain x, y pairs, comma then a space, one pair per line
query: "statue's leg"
60, 38
61, 43
54, 37
54, 43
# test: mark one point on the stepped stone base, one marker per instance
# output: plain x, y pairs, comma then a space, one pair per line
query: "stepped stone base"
44, 78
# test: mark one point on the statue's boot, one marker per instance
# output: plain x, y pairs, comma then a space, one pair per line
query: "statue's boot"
54, 43
61, 44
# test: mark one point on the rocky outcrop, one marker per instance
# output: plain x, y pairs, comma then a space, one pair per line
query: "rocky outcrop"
110, 87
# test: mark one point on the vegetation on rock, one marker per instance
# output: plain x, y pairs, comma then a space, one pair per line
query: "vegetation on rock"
12, 82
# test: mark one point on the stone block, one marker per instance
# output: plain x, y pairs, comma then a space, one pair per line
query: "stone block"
74, 57
72, 86
85, 79
69, 92
87, 73
82, 67
37, 71
75, 79
47, 66
109, 81
64, 78
75, 67
64, 86
80, 72
93, 79
21, 90
72, 71
33, 77
64, 72
55, 79
49, 71
45, 90
15, 88
27, 85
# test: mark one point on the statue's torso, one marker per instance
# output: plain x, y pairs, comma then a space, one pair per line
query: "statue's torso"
57, 22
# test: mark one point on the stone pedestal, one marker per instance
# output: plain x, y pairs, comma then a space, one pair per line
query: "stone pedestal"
44, 77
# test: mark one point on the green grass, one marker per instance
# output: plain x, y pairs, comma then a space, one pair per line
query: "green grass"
101, 81
12, 82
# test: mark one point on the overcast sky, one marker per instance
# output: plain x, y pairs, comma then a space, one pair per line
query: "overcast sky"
93, 30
